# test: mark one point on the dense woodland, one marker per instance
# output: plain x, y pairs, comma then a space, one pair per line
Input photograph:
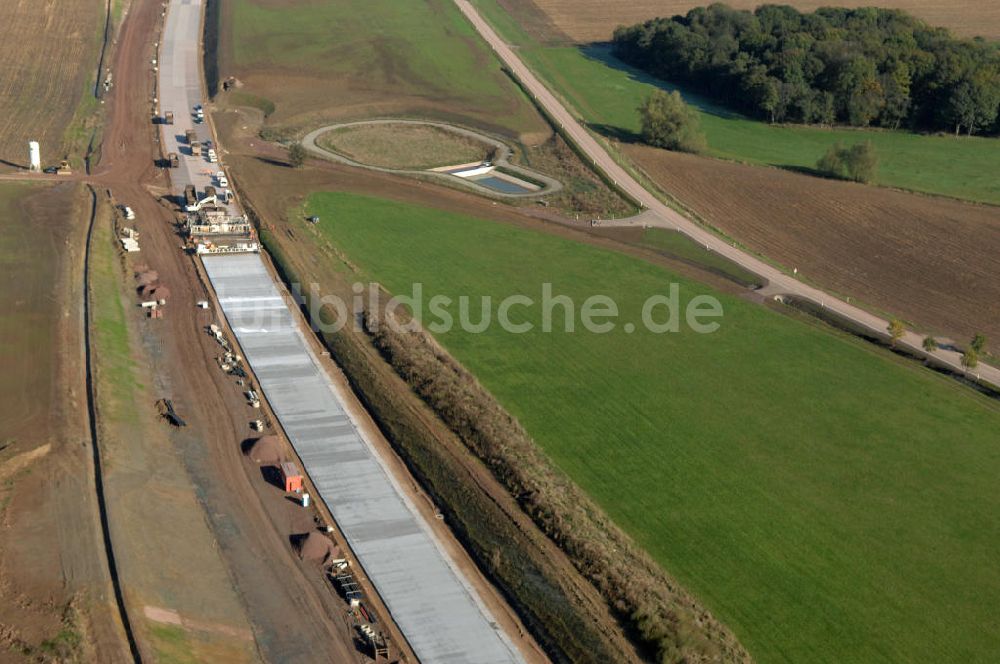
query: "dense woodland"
854, 66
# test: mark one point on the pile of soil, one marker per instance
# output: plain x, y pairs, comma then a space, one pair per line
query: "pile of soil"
315, 548
265, 450
146, 278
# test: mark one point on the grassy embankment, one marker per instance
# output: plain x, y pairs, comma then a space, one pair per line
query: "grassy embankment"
422, 59
827, 500
607, 93
115, 369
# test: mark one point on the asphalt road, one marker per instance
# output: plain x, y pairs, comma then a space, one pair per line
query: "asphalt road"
779, 283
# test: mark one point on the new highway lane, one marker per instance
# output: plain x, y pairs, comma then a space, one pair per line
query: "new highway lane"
439, 613
778, 281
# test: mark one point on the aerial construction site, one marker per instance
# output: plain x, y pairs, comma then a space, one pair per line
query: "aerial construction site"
471, 332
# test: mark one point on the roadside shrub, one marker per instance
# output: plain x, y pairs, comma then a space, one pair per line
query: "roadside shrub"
858, 162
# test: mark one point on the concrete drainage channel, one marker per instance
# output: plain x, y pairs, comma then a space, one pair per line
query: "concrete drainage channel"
496, 178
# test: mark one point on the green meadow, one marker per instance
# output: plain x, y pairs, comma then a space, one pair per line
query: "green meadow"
827, 500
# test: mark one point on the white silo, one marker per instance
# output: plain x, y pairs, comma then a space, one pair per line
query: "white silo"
36, 156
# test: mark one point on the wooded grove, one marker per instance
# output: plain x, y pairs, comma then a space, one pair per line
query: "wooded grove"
854, 66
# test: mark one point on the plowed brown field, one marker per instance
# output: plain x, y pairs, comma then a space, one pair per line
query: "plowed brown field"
594, 20
49, 52
934, 262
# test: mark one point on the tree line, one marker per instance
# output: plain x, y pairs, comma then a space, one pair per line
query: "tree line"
860, 67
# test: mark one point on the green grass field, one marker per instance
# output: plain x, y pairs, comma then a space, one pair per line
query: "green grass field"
606, 92
373, 56
827, 500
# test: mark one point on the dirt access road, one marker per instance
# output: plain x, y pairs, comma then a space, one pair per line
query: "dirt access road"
779, 283
292, 613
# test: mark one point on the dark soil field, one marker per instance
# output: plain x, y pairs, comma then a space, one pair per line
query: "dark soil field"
54, 589
49, 51
934, 262
594, 20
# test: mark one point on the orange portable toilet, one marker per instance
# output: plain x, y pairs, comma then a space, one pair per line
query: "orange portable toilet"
291, 476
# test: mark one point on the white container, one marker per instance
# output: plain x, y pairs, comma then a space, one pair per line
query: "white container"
305, 500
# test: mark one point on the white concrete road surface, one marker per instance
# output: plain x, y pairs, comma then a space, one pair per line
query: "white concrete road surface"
179, 89
439, 613
779, 282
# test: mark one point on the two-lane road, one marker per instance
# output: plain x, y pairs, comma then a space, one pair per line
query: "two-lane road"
779, 282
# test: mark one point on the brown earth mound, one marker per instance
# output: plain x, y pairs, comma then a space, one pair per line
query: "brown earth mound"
315, 548
265, 450
146, 277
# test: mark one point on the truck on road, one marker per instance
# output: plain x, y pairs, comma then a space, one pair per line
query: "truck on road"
192, 140
190, 198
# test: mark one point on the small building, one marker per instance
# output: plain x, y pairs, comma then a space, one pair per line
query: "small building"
291, 476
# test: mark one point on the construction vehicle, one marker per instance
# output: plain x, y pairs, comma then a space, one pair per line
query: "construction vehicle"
166, 408
168, 118
173, 160
190, 198
192, 140
64, 168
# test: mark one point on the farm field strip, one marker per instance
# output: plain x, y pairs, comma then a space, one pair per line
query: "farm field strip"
785, 474
595, 20
49, 54
934, 262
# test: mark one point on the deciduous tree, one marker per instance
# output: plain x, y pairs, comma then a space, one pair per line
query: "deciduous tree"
668, 122
296, 155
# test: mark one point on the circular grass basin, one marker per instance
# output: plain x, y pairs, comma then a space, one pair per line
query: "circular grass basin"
405, 146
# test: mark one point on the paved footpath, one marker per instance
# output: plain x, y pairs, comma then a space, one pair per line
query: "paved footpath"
778, 281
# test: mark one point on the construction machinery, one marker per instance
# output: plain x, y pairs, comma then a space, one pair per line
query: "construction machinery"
192, 140
166, 408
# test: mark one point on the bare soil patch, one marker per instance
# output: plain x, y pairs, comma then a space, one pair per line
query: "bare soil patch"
49, 52
932, 261
595, 20
400, 145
